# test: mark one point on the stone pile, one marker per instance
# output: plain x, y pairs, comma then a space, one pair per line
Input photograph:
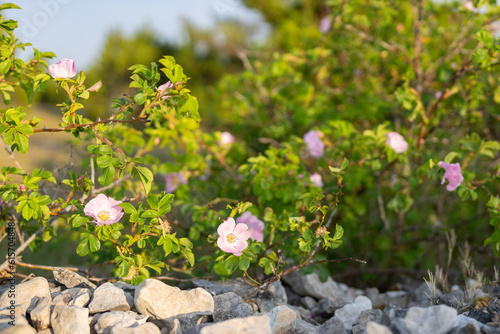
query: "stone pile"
301, 304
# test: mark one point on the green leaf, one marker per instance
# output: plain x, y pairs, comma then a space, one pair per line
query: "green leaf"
485, 37
79, 221
304, 246
167, 245
46, 235
244, 263
344, 164
185, 242
150, 214
9, 6
107, 176
139, 260
231, 263
308, 234
146, 177
189, 109
334, 170
123, 268
188, 254
22, 142
95, 244
128, 208
166, 200
83, 247
4, 128
140, 98
450, 156
104, 161
339, 232
153, 201
25, 128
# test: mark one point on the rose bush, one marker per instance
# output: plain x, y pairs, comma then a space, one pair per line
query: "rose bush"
141, 199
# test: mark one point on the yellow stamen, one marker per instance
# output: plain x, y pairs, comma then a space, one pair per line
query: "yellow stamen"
103, 215
231, 238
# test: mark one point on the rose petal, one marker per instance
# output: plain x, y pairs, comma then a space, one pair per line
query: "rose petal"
226, 227
240, 228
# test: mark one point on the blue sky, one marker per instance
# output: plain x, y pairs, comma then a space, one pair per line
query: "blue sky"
76, 29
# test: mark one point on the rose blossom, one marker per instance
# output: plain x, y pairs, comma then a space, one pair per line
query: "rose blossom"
396, 142
255, 225
104, 210
22, 187
173, 180
316, 180
325, 25
163, 88
226, 138
453, 174
233, 237
64, 69
314, 143
469, 6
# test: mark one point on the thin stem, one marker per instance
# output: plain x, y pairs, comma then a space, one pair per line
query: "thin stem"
307, 264
98, 190
90, 125
211, 207
432, 107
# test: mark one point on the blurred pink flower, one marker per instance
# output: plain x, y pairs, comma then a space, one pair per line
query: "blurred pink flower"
64, 69
314, 143
173, 180
22, 187
316, 180
233, 237
396, 142
104, 210
164, 88
469, 6
255, 225
226, 138
325, 25
453, 174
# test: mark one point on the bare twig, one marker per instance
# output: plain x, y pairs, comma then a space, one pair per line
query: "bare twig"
432, 107
90, 125
11, 155
38, 266
98, 190
381, 207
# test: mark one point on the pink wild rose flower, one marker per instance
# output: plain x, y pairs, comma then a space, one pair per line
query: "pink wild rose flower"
325, 25
174, 180
233, 237
104, 210
396, 142
314, 143
453, 174
164, 88
255, 225
316, 180
226, 138
469, 6
64, 69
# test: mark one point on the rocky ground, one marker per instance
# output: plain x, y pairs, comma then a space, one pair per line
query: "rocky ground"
300, 304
